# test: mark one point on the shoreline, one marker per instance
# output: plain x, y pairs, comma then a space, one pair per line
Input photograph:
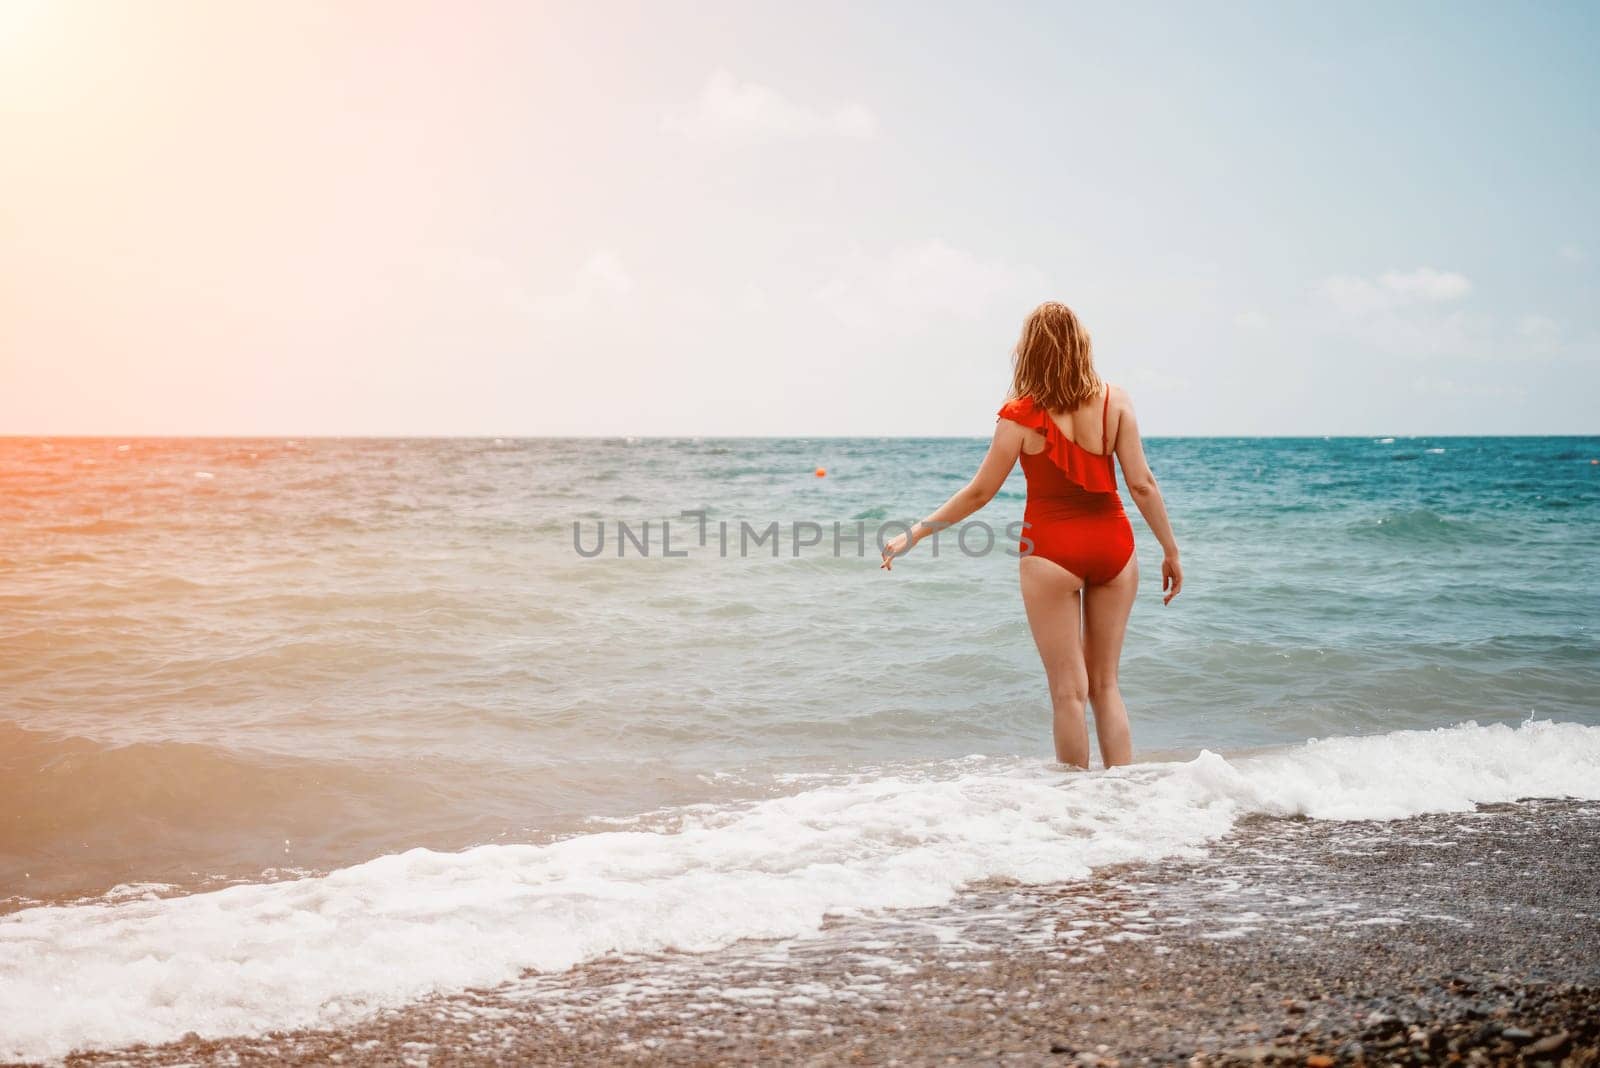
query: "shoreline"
1414, 941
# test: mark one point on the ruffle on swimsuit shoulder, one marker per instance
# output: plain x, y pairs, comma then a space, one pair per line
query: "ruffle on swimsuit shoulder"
1092, 471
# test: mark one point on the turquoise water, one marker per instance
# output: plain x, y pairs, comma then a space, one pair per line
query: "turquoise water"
229, 656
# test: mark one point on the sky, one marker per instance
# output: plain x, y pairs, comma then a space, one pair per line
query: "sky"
822, 219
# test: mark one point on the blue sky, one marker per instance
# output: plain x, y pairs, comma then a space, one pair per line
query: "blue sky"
757, 218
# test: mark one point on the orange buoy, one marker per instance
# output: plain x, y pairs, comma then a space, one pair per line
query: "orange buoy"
822, 472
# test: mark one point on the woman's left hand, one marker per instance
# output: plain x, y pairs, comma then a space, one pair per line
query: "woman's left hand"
1171, 577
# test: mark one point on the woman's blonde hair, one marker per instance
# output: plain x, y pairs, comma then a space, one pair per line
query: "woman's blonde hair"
1054, 360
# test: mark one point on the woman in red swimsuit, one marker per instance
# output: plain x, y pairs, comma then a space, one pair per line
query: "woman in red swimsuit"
1078, 570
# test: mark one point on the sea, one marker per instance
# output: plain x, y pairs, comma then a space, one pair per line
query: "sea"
294, 731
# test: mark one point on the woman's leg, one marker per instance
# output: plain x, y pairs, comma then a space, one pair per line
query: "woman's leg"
1105, 620
1050, 593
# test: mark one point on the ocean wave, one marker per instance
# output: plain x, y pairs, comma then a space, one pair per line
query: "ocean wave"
326, 950
118, 809
96, 527
1424, 526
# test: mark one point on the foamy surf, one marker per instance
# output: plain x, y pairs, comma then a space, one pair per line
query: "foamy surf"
327, 950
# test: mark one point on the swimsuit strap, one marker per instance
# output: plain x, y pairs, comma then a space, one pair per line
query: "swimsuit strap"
1104, 427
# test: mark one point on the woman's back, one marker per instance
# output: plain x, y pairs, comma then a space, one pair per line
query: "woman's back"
1089, 425
1058, 466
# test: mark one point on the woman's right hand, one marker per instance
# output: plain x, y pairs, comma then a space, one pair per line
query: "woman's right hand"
897, 546
1171, 577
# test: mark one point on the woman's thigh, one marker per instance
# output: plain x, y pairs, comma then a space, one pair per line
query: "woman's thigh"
1050, 595
1106, 608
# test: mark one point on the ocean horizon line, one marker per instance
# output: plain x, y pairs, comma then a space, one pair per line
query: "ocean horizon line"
1375, 436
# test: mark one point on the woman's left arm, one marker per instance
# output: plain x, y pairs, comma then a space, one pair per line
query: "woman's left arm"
992, 474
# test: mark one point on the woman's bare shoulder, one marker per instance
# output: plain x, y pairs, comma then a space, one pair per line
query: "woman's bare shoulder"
1121, 399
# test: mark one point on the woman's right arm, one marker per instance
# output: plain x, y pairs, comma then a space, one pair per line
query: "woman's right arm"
1146, 494
992, 474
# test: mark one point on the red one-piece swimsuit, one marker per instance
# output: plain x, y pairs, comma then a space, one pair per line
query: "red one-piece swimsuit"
1074, 514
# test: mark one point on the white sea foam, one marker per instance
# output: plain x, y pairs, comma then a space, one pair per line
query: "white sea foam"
326, 950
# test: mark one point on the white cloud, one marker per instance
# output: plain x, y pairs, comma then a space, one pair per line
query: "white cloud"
1409, 313
1158, 381
599, 282
1450, 387
913, 285
729, 108
1250, 320
1418, 314
1539, 327
1425, 283
1358, 296
1539, 336
1572, 254
1351, 295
